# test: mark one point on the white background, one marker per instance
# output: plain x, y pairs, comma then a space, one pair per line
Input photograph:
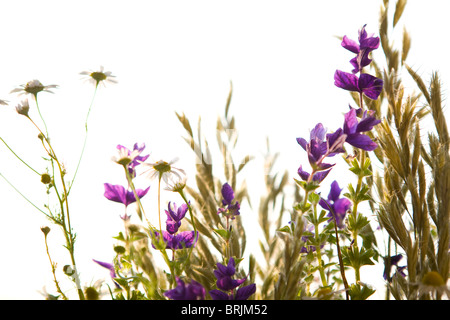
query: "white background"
170, 56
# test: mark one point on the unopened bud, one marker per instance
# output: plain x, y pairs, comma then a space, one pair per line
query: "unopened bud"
45, 178
68, 270
45, 230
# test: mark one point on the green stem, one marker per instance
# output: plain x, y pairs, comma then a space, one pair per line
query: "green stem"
318, 251
29, 201
40, 115
67, 229
85, 137
53, 265
19, 157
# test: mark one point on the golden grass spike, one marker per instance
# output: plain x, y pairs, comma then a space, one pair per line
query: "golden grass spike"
400, 6
419, 83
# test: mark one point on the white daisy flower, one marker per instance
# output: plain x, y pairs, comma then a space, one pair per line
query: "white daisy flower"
34, 87
96, 77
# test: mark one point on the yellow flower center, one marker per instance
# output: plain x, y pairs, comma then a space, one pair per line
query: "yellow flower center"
162, 166
433, 278
98, 76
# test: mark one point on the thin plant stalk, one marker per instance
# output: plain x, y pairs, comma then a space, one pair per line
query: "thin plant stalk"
85, 137
67, 229
53, 265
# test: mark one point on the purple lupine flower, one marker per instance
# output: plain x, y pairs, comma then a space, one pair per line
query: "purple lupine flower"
117, 193
112, 271
353, 129
317, 150
192, 291
174, 217
335, 205
136, 160
393, 261
367, 84
181, 240
362, 49
232, 207
226, 283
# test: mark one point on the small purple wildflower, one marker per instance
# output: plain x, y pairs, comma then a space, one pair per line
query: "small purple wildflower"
136, 160
174, 217
365, 84
232, 207
192, 291
336, 205
353, 129
181, 240
362, 49
226, 283
117, 193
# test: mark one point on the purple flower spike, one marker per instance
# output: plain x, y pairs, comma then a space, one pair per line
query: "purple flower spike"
192, 291
117, 193
366, 45
339, 206
367, 84
174, 217
353, 130
226, 283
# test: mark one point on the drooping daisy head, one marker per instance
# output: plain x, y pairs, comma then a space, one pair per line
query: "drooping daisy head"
23, 108
34, 87
97, 77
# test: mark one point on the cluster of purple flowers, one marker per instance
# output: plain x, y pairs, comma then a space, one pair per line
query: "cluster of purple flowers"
322, 145
227, 284
173, 239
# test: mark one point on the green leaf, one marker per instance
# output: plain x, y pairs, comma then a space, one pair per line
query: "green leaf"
225, 234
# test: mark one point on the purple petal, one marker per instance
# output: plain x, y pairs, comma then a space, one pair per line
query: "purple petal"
303, 174
350, 122
302, 142
346, 81
342, 205
115, 193
361, 141
245, 292
371, 86
218, 295
318, 133
367, 123
335, 191
349, 44
228, 270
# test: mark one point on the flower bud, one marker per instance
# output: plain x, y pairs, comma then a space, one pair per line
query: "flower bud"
46, 178
68, 270
119, 249
45, 230
23, 108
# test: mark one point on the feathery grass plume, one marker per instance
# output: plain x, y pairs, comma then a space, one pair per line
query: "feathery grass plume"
407, 196
271, 210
